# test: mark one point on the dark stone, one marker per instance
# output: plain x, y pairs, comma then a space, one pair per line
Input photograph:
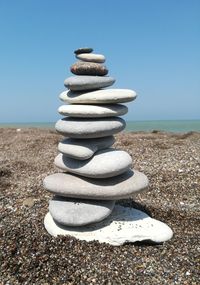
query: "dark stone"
88, 68
83, 50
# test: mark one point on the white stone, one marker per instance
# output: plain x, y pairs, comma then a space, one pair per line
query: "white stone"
122, 226
84, 149
114, 188
77, 212
93, 111
84, 128
104, 96
88, 82
103, 164
91, 57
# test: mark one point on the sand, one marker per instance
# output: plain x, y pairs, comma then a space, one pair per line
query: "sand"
30, 256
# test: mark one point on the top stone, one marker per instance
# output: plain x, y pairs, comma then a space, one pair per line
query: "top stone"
83, 50
91, 57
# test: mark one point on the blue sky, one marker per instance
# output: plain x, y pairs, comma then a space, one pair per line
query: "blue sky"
152, 47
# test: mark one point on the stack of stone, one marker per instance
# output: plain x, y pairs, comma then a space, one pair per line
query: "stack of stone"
95, 174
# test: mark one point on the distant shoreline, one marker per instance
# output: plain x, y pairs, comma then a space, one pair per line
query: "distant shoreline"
147, 126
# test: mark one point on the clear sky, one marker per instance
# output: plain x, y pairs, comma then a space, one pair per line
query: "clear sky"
151, 46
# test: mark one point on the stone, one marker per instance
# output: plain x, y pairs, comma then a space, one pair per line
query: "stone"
81, 128
77, 212
124, 225
104, 96
83, 50
114, 188
104, 163
93, 111
84, 149
88, 68
87, 82
91, 57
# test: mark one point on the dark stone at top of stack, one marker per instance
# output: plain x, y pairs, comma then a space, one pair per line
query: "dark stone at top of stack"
83, 50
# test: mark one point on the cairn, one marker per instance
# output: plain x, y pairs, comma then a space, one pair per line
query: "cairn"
94, 174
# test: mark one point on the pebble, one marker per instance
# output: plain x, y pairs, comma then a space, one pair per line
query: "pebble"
104, 96
93, 111
88, 68
114, 188
83, 50
84, 149
124, 225
105, 163
91, 57
89, 128
87, 82
76, 212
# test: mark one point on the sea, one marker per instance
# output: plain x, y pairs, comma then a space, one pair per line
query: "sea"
176, 126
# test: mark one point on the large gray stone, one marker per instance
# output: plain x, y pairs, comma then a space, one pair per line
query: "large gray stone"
93, 111
84, 149
104, 96
77, 212
91, 57
104, 163
87, 82
124, 225
114, 188
90, 128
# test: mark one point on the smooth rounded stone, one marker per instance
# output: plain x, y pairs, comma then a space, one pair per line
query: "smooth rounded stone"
124, 225
84, 149
105, 163
81, 128
88, 68
91, 57
104, 96
93, 111
114, 188
87, 82
77, 212
83, 50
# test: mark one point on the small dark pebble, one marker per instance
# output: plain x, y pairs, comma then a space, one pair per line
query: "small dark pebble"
83, 50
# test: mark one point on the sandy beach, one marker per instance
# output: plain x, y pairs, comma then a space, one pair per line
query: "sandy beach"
30, 256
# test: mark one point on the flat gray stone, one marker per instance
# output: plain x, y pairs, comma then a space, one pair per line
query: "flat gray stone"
83, 50
104, 163
76, 212
88, 68
104, 96
84, 149
124, 225
91, 57
114, 188
90, 128
93, 111
87, 82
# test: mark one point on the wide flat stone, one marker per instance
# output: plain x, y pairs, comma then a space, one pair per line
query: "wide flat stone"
104, 163
77, 212
93, 111
88, 68
124, 225
87, 82
104, 96
91, 57
114, 188
81, 128
84, 149
83, 50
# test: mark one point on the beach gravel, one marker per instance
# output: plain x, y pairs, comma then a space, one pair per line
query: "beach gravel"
29, 255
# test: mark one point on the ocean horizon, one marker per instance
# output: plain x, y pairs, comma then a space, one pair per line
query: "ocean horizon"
131, 126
